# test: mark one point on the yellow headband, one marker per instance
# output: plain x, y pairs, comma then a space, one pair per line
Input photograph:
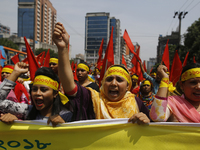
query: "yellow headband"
9, 70
118, 71
53, 60
146, 82
83, 66
153, 74
134, 77
191, 73
44, 80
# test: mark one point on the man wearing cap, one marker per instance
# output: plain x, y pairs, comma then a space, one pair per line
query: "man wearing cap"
53, 64
82, 72
146, 94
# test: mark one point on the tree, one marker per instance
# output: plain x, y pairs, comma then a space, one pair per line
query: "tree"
8, 43
192, 41
51, 52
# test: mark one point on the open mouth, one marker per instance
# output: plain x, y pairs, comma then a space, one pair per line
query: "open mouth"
113, 93
39, 103
197, 94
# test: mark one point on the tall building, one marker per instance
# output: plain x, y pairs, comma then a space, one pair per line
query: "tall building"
98, 26
36, 18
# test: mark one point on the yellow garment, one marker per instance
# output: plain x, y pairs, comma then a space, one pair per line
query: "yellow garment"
104, 109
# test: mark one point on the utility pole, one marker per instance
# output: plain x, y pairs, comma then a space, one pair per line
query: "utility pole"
180, 15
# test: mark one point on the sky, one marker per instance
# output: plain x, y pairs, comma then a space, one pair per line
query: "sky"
144, 20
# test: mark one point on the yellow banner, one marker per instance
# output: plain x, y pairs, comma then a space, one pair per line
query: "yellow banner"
98, 135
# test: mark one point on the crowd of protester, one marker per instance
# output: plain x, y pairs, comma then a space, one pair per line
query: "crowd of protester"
54, 94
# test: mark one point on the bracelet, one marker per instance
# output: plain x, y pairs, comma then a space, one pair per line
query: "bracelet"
72, 92
164, 82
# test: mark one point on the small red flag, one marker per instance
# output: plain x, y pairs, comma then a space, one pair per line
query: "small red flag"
47, 58
185, 60
33, 64
144, 66
108, 58
100, 54
165, 57
194, 59
39, 57
123, 61
130, 44
176, 69
15, 59
1, 56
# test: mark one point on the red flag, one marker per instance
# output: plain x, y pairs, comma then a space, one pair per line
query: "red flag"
33, 64
134, 60
185, 60
194, 59
72, 66
25, 60
47, 58
42, 59
75, 76
15, 59
100, 54
165, 57
1, 56
39, 57
144, 66
176, 69
123, 61
130, 44
108, 58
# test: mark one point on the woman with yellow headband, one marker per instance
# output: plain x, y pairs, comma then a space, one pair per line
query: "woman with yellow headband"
46, 100
114, 99
135, 88
185, 108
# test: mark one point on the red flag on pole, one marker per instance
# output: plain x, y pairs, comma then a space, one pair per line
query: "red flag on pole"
108, 58
144, 66
1, 56
33, 64
165, 56
194, 59
100, 54
123, 61
130, 44
176, 69
134, 60
15, 59
39, 57
47, 58
185, 60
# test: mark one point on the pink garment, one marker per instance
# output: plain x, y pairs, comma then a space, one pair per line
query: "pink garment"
11, 96
183, 110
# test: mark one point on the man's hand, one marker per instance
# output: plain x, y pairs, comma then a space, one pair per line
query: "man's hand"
161, 71
60, 36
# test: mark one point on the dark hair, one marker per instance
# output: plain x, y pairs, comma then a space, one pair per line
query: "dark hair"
190, 66
56, 103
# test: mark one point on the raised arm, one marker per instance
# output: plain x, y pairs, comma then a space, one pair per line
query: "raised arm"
61, 39
159, 110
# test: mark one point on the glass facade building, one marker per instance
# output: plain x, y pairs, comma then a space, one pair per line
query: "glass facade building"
98, 26
26, 22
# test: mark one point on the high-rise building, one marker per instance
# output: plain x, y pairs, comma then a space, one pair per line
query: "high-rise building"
36, 18
4, 31
98, 26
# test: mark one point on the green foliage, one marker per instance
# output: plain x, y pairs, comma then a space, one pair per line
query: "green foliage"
8, 43
192, 41
51, 52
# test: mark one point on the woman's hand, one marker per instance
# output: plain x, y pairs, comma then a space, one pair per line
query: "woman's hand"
161, 71
60, 36
55, 120
8, 118
140, 118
